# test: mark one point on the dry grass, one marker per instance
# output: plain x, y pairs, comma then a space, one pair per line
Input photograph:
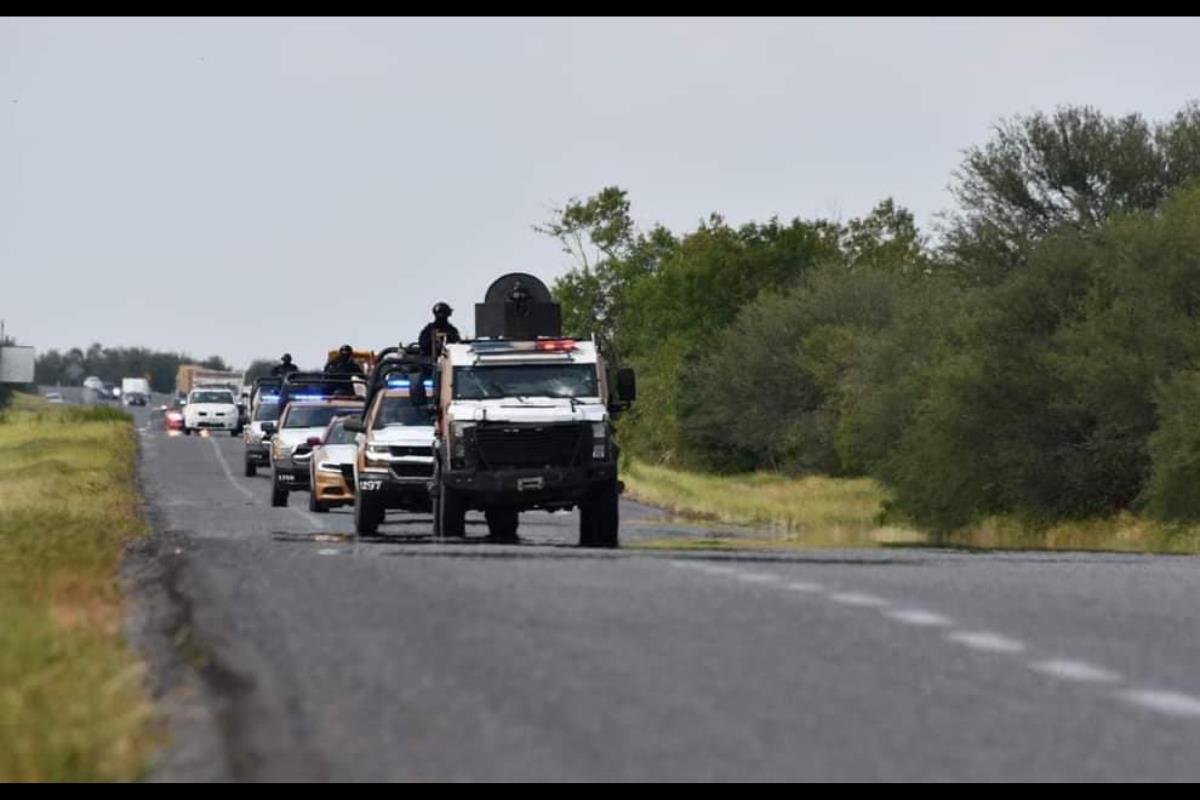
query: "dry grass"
72, 701
817, 511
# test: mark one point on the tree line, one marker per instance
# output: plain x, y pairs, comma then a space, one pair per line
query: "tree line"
111, 364
1040, 356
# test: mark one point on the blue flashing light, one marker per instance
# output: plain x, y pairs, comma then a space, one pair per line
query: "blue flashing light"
269, 398
403, 383
308, 397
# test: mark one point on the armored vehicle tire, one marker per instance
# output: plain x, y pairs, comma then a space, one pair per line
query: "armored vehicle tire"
450, 515
367, 516
251, 469
279, 497
315, 505
235, 433
187, 431
502, 525
599, 519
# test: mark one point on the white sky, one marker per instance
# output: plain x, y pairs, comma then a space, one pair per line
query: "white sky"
245, 187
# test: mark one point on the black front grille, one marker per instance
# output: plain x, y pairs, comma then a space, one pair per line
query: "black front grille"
403, 470
411, 451
507, 446
348, 473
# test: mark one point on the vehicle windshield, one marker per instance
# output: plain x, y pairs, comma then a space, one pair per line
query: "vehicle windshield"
267, 412
339, 435
401, 411
212, 397
525, 380
315, 416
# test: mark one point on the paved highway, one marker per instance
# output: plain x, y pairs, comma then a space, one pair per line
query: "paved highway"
284, 649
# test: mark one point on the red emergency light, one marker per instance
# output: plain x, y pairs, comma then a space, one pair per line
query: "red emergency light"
555, 345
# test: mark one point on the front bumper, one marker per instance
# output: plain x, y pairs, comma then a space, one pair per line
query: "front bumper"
529, 488
214, 424
333, 488
259, 453
403, 487
291, 475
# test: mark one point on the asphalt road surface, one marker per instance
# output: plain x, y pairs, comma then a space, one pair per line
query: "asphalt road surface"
284, 649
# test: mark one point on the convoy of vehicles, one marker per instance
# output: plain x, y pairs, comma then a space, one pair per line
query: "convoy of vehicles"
516, 419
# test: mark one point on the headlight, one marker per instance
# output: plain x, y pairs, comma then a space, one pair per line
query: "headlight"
458, 432
599, 441
329, 466
378, 455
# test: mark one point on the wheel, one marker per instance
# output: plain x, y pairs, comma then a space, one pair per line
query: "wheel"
449, 515
251, 469
502, 525
599, 517
187, 431
279, 495
235, 433
315, 505
367, 515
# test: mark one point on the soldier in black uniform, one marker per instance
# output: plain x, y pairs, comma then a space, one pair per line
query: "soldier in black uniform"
440, 326
344, 364
285, 367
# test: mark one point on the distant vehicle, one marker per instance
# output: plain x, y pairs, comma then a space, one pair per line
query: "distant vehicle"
135, 391
331, 467
93, 390
211, 409
264, 408
172, 419
193, 376
54, 397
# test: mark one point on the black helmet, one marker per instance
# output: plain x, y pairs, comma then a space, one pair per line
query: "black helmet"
287, 358
442, 309
346, 350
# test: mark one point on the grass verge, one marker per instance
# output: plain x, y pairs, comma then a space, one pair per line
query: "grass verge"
817, 511
73, 706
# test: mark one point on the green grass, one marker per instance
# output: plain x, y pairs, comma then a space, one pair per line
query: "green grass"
817, 511
73, 706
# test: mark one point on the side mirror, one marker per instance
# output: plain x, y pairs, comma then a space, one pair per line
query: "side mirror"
354, 426
626, 385
268, 428
314, 441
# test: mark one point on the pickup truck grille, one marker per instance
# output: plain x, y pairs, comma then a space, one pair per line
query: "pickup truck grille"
532, 446
412, 470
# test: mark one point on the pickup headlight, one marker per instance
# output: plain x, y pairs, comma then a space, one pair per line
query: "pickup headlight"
377, 455
458, 432
329, 466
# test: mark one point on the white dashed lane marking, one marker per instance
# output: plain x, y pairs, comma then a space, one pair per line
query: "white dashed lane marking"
1075, 671
803, 586
920, 618
858, 599
1173, 704
986, 642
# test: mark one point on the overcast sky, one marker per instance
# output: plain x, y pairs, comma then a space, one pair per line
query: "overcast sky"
245, 187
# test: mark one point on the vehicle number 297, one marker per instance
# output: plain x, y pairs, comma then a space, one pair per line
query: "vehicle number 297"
370, 486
